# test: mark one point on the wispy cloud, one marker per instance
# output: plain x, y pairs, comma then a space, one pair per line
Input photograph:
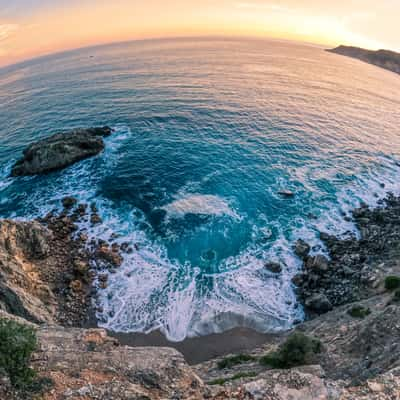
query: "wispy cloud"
6, 30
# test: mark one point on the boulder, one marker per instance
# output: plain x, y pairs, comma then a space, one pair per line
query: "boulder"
69, 202
60, 150
318, 264
318, 303
302, 248
273, 267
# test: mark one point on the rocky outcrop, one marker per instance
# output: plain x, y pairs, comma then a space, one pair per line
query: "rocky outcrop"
23, 292
360, 359
44, 271
386, 59
88, 364
60, 150
357, 266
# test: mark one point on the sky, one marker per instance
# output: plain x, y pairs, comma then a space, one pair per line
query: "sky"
30, 28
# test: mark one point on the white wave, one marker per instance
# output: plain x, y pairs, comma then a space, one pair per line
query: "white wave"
150, 292
200, 204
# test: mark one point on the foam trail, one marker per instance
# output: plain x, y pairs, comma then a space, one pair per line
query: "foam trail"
201, 204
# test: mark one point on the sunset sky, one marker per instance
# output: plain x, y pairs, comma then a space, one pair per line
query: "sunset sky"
30, 28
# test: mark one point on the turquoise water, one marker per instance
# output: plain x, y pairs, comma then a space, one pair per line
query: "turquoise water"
206, 134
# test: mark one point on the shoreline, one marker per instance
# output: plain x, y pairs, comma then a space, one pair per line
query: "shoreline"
323, 283
201, 348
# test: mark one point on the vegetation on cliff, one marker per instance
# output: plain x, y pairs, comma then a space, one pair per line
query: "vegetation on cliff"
298, 349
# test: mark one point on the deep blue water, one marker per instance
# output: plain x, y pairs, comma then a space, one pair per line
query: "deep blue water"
207, 133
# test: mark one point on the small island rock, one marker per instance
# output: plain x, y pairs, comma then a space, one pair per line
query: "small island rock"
60, 150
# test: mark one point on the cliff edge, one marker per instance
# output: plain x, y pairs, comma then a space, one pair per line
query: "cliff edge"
386, 59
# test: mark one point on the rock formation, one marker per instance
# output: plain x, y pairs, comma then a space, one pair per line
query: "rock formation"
386, 59
60, 150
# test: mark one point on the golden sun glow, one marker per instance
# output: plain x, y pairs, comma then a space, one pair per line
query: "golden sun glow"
28, 29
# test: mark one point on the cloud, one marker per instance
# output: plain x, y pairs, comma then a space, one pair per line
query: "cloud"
6, 30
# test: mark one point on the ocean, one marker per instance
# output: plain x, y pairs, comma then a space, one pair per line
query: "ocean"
207, 132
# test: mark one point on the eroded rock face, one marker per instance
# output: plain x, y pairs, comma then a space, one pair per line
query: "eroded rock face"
60, 150
39, 262
22, 290
88, 364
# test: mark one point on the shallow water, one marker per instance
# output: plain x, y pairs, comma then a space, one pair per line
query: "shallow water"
207, 133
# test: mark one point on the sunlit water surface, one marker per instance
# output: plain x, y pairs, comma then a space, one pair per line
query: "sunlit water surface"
206, 134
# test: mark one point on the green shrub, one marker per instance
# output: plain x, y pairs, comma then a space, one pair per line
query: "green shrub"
297, 350
17, 342
359, 312
229, 362
396, 296
392, 282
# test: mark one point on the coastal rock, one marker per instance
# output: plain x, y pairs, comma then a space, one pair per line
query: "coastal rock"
95, 219
286, 193
318, 303
386, 59
23, 292
319, 264
273, 267
360, 360
109, 255
69, 202
302, 249
60, 150
356, 266
89, 364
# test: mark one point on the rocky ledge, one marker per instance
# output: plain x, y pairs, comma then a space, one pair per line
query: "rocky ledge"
60, 150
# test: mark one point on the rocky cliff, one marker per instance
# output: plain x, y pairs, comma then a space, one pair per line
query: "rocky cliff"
386, 59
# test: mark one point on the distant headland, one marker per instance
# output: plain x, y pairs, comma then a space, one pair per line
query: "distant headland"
387, 59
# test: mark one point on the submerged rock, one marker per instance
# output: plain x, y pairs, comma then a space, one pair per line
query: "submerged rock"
69, 202
273, 267
286, 193
60, 150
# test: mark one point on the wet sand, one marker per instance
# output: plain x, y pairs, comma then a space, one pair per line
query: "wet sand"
199, 349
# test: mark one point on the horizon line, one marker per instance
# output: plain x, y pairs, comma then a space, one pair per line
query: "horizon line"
162, 38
